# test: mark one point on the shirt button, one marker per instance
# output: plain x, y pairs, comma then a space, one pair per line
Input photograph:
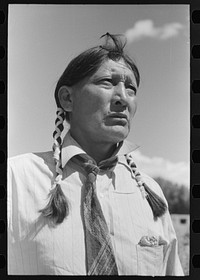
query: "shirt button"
101, 195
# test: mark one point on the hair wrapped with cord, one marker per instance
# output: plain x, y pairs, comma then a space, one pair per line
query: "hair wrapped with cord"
113, 45
57, 208
156, 203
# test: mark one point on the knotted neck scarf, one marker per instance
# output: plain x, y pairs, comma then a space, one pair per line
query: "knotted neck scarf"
100, 259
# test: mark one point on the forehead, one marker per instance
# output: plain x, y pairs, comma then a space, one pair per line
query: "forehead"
115, 67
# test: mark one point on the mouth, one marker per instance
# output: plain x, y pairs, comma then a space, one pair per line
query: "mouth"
118, 118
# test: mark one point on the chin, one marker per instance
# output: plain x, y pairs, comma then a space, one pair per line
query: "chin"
117, 135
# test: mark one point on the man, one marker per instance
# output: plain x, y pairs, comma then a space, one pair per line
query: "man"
102, 217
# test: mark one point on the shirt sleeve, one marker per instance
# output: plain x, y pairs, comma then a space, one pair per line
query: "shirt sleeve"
11, 187
172, 265
15, 261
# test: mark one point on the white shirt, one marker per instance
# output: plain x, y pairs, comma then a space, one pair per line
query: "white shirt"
35, 247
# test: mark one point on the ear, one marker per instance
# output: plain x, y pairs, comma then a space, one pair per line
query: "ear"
65, 98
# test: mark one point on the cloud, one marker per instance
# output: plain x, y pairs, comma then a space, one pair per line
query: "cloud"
159, 167
146, 28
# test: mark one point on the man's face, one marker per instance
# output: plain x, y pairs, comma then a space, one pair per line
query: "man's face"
105, 103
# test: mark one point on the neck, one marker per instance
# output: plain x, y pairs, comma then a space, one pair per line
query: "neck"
98, 151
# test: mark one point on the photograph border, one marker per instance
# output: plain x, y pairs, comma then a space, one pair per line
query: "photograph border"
194, 126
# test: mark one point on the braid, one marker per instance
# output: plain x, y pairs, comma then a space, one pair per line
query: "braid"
57, 208
156, 203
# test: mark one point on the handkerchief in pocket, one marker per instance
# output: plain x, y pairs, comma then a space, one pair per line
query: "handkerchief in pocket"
152, 241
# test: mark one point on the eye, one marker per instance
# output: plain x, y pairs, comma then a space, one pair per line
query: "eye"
106, 80
132, 88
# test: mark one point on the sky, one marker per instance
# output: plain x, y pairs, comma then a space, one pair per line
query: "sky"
42, 39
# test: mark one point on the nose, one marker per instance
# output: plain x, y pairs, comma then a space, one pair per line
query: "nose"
120, 95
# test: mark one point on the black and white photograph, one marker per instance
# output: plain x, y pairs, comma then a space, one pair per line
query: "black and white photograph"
98, 140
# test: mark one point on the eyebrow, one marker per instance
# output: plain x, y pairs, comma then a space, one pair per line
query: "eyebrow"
115, 75
126, 78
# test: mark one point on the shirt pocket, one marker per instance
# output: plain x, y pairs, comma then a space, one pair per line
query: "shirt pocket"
150, 260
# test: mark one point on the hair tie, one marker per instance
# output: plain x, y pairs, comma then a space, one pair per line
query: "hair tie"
57, 181
112, 44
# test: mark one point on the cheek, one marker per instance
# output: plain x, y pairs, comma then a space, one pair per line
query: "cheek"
90, 106
96, 102
133, 107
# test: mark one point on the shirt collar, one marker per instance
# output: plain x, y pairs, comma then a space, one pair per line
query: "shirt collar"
71, 148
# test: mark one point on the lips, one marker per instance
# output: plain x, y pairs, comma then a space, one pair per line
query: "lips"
117, 119
118, 116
